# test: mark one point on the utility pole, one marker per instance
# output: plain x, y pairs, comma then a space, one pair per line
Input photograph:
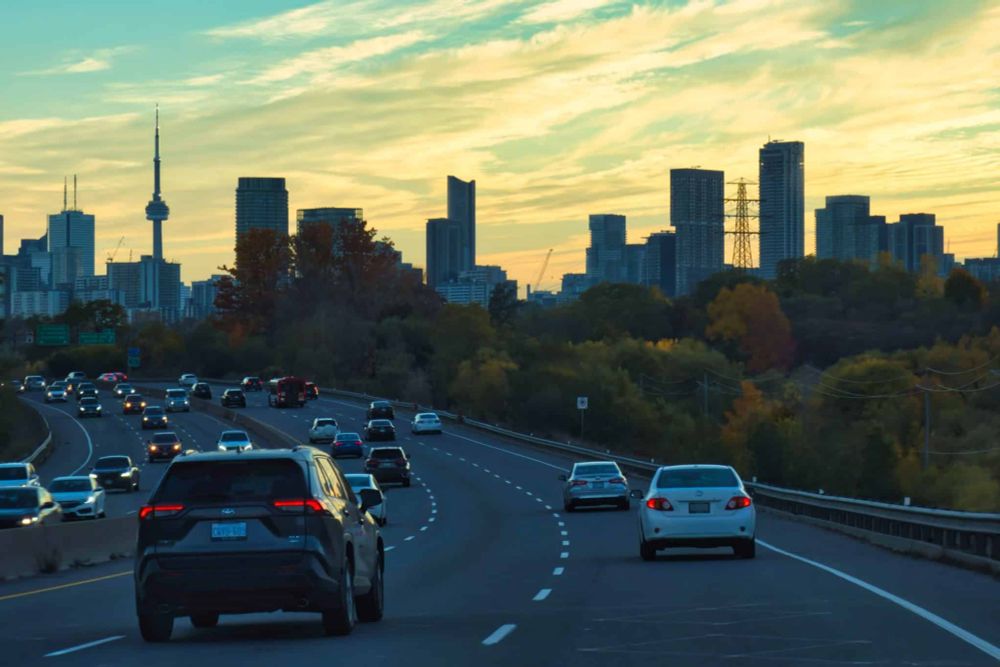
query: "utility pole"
927, 427
704, 393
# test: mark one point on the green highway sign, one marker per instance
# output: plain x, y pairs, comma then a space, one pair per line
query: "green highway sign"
51, 335
103, 337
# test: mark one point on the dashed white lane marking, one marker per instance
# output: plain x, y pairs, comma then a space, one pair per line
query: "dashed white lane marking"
537, 499
80, 647
508, 452
389, 548
434, 510
519, 488
541, 595
475, 465
558, 571
507, 481
548, 507
564, 533
461, 459
564, 554
561, 524
496, 475
565, 543
423, 529
432, 519
449, 453
529, 493
556, 515
408, 538
499, 634
963, 634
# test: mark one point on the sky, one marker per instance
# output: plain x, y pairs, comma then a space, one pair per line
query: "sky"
558, 109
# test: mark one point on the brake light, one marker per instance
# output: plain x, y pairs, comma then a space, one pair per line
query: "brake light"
617, 480
578, 482
661, 504
738, 502
299, 504
160, 510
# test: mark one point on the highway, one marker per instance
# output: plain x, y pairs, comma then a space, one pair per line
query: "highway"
484, 568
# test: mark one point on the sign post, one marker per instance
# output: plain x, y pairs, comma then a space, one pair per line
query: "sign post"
581, 405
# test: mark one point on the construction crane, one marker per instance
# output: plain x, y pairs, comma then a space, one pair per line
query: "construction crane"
541, 272
113, 253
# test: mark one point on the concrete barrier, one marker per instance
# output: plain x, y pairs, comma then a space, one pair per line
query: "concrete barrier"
29, 551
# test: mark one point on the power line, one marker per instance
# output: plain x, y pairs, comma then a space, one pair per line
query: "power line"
989, 362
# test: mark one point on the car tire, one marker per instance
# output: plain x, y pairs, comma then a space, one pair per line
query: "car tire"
569, 507
341, 621
624, 505
406, 482
206, 619
746, 548
646, 550
102, 515
156, 627
371, 605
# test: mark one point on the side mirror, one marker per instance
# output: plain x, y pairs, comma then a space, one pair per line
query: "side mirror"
370, 498
48, 505
636, 493
563, 478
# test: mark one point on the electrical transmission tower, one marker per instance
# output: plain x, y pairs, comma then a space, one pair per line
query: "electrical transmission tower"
742, 234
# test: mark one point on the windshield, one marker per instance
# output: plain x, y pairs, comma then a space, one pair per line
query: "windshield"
13, 472
165, 438
325, 422
64, 485
112, 462
88, 401
384, 453
18, 499
154, 412
176, 393
690, 478
381, 423
234, 436
427, 418
348, 437
217, 481
58, 385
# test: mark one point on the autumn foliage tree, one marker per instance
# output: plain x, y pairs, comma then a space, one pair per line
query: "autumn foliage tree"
248, 294
750, 317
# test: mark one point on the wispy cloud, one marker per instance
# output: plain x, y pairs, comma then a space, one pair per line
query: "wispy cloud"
562, 10
76, 64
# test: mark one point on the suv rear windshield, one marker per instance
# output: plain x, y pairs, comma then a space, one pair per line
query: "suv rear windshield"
381, 423
688, 478
387, 453
112, 462
14, 472
231, 481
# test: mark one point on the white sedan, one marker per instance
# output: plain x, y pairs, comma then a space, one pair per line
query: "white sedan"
699, 506
80, 497
234, 441
360, 481
187, 380
323, 429
425, 422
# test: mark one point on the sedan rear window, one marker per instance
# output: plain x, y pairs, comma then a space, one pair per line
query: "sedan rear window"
14, 472
387, 453
231, 481
381, 423
11, 499
688, 478
325, 422
348, 437
596, 469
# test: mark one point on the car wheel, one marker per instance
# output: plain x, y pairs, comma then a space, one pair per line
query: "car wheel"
156, 627
624, 505
569, 507
745, 548
371, 605
341, 621
205, 619
135, 487
646, 550
406, 482
102, 515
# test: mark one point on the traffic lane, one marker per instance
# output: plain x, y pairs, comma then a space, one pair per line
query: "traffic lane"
69, 448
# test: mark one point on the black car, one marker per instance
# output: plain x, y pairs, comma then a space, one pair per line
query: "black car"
201, 390
234, 398
380, 410
380, 429
163, 446
133, 404
389, 464
252, 383
86, 390
89, 407
154, 417
116, 472
26, 506
223, 534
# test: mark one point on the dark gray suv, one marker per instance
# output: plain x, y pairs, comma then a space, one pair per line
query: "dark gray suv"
264, 530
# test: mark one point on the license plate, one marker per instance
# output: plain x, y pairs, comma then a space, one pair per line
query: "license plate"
698, 508
597, 485
231, 530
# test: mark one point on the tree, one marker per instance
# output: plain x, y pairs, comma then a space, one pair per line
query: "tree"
750, 316
247, 296
503, 304
962, 289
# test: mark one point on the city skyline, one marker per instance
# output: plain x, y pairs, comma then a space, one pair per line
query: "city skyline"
253, 93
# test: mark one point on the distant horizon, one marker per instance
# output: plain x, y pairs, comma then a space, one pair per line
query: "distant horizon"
557, 110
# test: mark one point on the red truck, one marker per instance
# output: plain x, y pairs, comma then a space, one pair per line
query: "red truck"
286, 392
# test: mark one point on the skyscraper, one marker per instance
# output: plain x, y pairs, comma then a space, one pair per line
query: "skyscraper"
661, 262
697, 212
606, 259
837, 223
462, 209
261, 203
70, 243
330, 216
444, 250
157, 210
782, 204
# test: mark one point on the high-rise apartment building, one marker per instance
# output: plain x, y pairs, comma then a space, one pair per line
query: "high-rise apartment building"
782, 204
661, 262
915, 236
462, 209
697, 213
444, 250
606, 256
261, 203
330, 216
846, 230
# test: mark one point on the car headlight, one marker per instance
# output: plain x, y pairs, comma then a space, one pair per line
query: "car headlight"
145, 419
153, 448
90, 499
98, 407
177, 448
126, 474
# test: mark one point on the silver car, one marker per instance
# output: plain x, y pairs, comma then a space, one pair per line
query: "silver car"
360, 481
234, 441
595, 483
18, 474
56, 392
177, 400
80, 497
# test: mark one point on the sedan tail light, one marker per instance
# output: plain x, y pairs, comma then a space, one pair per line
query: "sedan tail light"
578, 482
617, 480
738, 502
661, 504
159, 510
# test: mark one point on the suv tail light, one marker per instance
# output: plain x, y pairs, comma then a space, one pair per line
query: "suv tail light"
617, 480
298, 504
661, 504
159, 510
738, 502
578, 482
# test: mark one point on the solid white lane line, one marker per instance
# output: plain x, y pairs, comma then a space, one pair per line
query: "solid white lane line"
963, 634
501, 449
541, 595
499, 634
558, 571
80, 647
408, 538
564, 554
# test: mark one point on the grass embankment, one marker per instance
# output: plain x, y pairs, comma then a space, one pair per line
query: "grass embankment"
22, 429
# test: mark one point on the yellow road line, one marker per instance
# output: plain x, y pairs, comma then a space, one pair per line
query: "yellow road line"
61, 586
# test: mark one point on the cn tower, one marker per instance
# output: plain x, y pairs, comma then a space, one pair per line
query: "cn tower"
157, 210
